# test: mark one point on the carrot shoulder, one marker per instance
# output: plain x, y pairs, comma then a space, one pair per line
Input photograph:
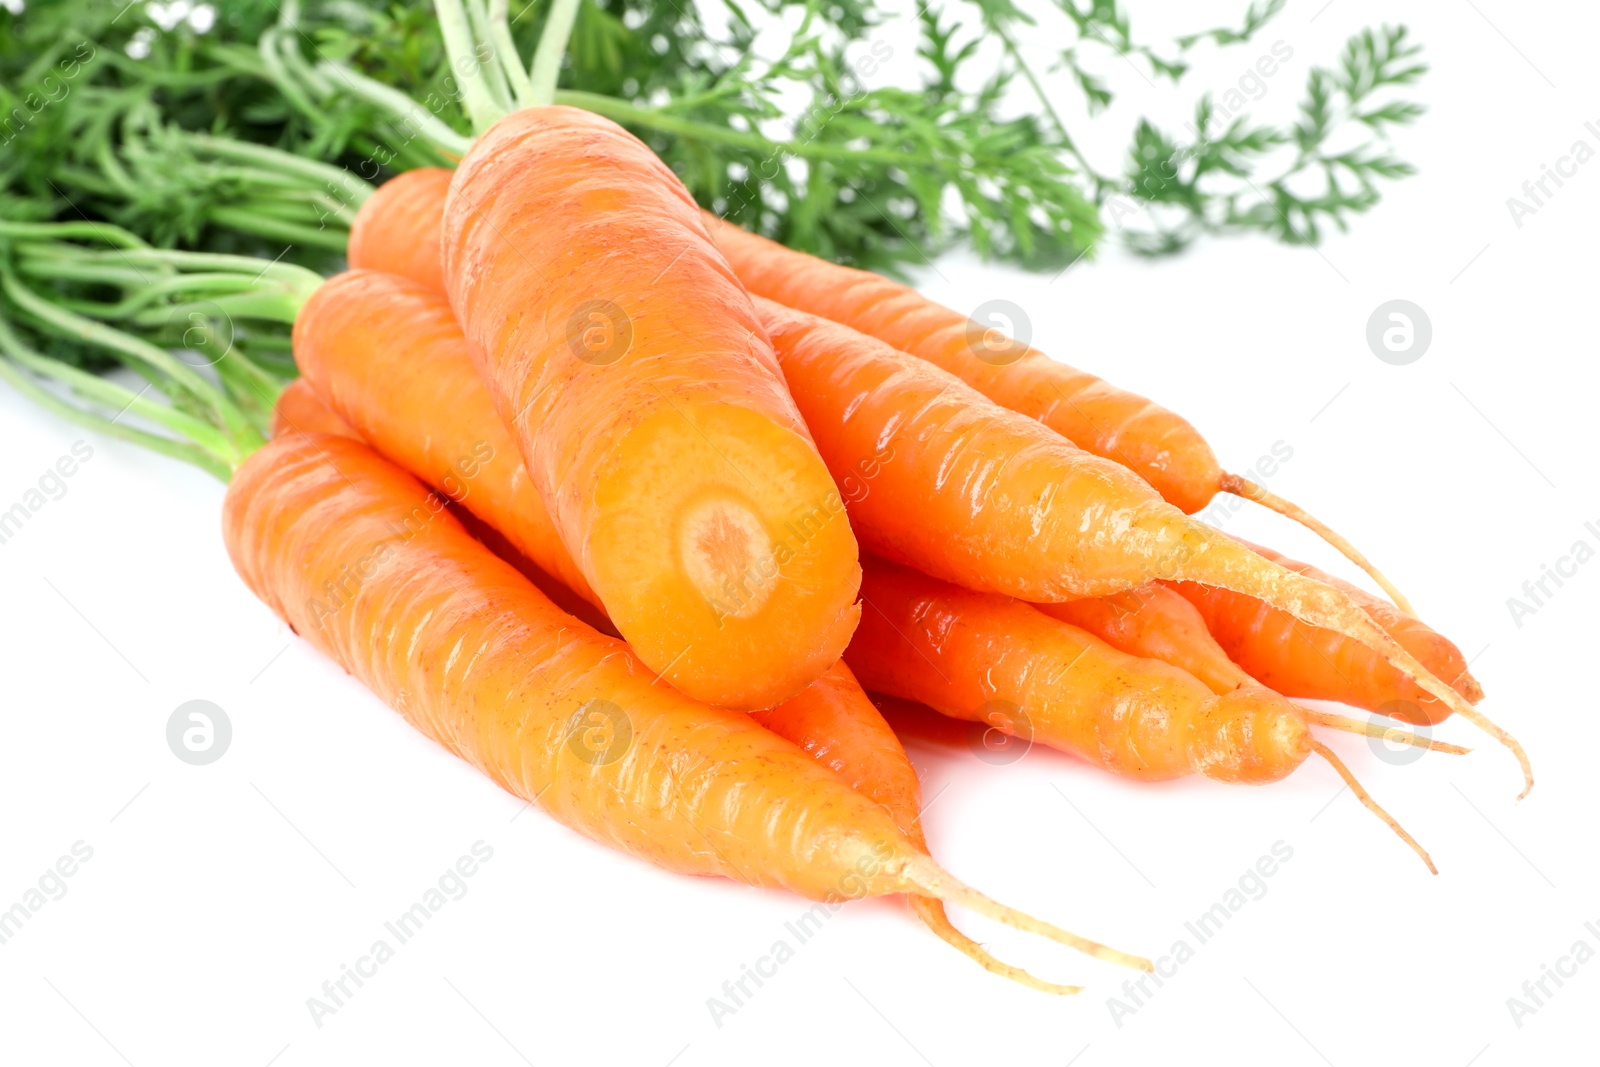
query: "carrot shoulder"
300, 410
398, 227
643, 396
389, 358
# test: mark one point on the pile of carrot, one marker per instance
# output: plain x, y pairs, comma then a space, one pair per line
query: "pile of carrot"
632, 509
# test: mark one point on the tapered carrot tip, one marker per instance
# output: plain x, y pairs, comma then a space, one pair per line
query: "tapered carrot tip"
932, 914
727, 524
1238, 486
929, 879
1372, 805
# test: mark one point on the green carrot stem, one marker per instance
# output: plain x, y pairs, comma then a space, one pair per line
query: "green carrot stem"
203, 439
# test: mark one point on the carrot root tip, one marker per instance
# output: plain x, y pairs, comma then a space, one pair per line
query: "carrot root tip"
1244, 487
929, 879
1371, 805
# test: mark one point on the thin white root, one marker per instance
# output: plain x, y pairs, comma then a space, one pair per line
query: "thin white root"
927, 878
1371, 805
933, 916
1380, 730
1233, 483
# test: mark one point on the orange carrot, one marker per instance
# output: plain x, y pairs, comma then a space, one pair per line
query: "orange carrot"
992, 659
1313, 662
389, 358
369, 567
976, 494
1155, 622
831, 720
835, 723
398, 227
300, 410
627, 362
1155, 443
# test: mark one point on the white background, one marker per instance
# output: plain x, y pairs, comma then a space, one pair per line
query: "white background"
220, 898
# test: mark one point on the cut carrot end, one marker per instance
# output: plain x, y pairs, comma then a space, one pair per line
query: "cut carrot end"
933, 916
721, 550
1380, 730
1371, 805
927, 878
1244, 487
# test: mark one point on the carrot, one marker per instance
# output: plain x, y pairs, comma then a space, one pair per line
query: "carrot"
1155, 443
979, 495
1316, 663
1156, 622
300, 410
989, 658
398, 227
834, 722
369, 567
389, 358
627, 362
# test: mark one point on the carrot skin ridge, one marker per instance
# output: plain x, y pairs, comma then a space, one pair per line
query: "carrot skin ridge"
369, 566
1156, 622
1157, 444
442, 630
986, 497
1319, 664
991, 659
387, 356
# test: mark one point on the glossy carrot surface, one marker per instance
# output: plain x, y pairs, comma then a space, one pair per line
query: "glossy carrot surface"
996, 660
369, 566
1319, 664
644, 399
